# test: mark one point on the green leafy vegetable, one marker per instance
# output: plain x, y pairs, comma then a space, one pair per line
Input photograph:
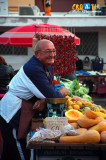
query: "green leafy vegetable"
85, 96
75, 88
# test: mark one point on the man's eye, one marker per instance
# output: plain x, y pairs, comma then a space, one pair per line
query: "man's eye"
54, 51
49, 51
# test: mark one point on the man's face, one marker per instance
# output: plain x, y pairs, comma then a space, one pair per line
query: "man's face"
46, 53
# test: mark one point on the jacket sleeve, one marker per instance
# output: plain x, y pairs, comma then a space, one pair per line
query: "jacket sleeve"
39, 79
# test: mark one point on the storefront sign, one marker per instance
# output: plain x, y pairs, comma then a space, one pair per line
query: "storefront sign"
85, 6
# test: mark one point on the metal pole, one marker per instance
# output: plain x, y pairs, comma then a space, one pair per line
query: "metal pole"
35, 31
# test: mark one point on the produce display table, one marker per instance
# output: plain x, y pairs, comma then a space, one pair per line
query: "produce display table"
94, 78
68, 151
58, 151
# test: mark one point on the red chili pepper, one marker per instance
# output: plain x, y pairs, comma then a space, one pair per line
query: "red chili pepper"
66, 52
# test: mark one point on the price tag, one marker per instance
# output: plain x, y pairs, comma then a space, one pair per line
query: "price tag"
56, 123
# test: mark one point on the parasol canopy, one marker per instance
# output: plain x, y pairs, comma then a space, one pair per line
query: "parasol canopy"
22, 36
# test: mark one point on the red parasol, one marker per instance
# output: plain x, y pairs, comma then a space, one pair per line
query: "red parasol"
22, 36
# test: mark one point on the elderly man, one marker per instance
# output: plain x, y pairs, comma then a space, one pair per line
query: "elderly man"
33, 81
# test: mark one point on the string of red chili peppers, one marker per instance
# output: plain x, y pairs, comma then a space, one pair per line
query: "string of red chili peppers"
66, 53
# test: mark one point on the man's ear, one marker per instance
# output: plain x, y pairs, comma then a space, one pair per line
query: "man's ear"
36, 54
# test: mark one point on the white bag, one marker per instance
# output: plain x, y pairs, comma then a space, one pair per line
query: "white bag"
87, 64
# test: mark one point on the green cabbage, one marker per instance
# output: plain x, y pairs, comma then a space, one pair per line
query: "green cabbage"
76, 89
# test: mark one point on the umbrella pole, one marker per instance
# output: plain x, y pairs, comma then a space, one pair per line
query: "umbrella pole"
35, 40
35, 31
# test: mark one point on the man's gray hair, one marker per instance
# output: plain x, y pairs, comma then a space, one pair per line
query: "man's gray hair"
37, 46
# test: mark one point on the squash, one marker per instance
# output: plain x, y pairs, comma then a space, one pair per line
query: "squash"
86, 123
90, 137
68, 97
75, 125
103, 136
73, 115
103, 110
70, 107
69, 102
90, 114
81, 130
100, 107
101, 126
79, 103
100, 118
86, 103
95, 108
76, 106
100, 114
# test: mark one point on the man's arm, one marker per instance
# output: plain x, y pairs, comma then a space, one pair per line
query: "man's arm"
63, 90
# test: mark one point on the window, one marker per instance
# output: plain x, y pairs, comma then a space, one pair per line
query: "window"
88, 43
11, 50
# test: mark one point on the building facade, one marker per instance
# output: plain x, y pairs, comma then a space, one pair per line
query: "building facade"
89, 26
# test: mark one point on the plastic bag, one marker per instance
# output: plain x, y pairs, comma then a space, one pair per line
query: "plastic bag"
45, 135
48, 134
69, 130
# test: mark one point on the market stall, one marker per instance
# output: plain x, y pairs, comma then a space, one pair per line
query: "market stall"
96, 83
91, 73
86, 123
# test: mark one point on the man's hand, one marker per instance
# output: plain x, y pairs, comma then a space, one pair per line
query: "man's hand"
64, 91
39, 105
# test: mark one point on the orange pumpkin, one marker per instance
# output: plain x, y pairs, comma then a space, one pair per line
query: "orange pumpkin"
90, 114
101, 126
103, 136
81, 130
90, 137
73, 115
75, 125
87, 123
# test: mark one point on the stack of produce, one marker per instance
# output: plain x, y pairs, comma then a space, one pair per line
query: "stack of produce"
87, 126
89, 122
80, 104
